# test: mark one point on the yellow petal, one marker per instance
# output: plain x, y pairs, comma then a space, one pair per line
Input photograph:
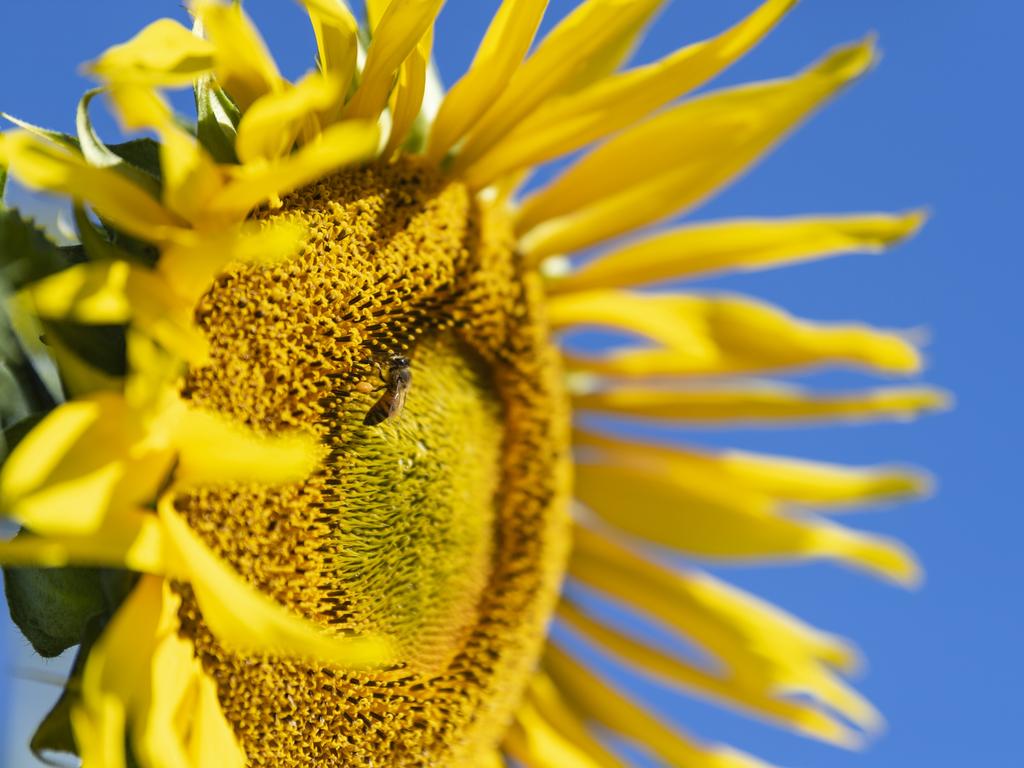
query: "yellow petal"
752, 638
268, 130
506, 42
766, 654
563, 125
241, 617
190, 175
399, 31
44, 166
337, 44
190, 264
536, 743
340, 145
163, 54
244, 66
131, 539
116, 292
212, 449
77, 465
596, 700
116, 677
492, 760
678, 158
549, 718
752, 699
784, 479
212, 739
722, 334
663, 504
759, 403
741, 244
407, 98
592, 30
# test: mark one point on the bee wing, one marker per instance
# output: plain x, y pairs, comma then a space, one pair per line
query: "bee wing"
397, 402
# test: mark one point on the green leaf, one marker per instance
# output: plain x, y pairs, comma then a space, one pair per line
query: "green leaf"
100, 155
54, 733
3, 186
65, 140
216, 121
52, 606
143, 154
13, 433
104, 347
26, 253
96, 246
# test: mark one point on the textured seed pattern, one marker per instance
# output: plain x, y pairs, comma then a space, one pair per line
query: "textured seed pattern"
444, 528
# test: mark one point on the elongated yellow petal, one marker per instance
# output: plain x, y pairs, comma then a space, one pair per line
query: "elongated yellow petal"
142, 680
689, 513
45, 166
756, 699
400, 30
337, 44
244, 618
537, 743
784, 479
722, 334
116, 292
244, 66
340, 145
563, 125
759, 403
678, 158
741, 244
131, 539
550, 718
407, 97
596, 700
190, 264
592, 29
212, 740
752, 638
163, 54
190, 175
268, 130
506, 42
116, 677
77, 465
213, 450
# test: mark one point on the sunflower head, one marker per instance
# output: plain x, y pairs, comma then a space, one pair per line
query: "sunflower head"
303, 486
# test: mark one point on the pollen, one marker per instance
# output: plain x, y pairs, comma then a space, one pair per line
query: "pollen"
444, 527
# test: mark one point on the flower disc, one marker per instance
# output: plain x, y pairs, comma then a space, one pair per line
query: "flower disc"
444, 526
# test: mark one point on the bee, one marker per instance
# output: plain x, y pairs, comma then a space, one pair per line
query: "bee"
396, 385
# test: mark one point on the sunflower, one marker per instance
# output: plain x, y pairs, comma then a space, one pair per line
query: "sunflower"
323, 464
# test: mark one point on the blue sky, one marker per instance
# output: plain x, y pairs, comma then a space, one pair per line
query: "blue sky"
936, 124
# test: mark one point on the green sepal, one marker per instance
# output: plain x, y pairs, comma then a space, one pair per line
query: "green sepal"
216, 120
53, 606
98, 154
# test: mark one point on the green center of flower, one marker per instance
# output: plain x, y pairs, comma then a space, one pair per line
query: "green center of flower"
442, 526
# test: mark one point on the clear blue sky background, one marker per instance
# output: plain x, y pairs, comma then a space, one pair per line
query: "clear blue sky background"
937, 124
